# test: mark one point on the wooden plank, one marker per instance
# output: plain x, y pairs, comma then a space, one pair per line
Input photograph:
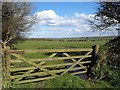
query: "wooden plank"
51, 50
54, 54
43, 73
53, 59
66, 54
76, 63
28, 72
34, 80
45, 66
33, 64
44, 78
75, 73
16, 51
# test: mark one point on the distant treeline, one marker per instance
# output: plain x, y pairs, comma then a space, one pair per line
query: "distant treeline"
73, 39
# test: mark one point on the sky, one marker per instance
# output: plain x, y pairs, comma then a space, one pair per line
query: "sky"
64, 20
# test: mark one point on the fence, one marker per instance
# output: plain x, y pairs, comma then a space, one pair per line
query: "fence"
74, 61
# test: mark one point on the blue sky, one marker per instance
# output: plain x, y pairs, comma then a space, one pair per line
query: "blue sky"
67, 8
64, 19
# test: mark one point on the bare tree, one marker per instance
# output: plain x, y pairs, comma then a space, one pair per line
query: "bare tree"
107, 16
15, 21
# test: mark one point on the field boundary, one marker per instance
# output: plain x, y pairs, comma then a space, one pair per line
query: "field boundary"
76, 61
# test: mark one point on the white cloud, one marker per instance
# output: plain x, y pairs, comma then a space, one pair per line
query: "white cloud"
62, 26
47, 15
85, 16
50, 18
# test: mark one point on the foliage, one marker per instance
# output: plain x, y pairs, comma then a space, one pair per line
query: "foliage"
114, 61
71, 81
108, 66
110, 10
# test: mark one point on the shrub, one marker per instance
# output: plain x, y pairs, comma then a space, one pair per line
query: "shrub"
71, 81
108, 65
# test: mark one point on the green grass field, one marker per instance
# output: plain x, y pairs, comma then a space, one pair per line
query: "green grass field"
32, 44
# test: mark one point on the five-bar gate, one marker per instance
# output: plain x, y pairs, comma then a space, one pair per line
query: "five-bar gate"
59, 62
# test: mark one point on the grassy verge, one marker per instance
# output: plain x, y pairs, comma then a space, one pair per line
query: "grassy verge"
71, 81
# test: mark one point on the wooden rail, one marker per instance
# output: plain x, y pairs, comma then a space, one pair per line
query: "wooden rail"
38, 69
49, 50
52, 59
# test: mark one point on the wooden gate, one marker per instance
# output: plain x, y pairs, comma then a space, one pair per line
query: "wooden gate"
74, 61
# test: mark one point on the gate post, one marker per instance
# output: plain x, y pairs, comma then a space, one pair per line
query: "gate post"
95, 54
94, 58
8, 57
6, 68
